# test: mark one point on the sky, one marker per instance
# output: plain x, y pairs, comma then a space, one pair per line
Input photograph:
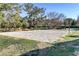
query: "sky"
71, 10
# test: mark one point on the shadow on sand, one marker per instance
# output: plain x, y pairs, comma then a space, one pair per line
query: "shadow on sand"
70, 48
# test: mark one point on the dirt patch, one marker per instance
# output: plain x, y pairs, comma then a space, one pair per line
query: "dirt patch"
43, 45
38, 35
9, 50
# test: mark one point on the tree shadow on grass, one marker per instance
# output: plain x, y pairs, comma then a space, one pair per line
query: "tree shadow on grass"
74, 36
58, 49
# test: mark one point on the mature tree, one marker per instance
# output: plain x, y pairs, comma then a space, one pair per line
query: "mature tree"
11, 13
4, 8
34, 14
68, 22
1, 17
78, 21
56, 19
55, 15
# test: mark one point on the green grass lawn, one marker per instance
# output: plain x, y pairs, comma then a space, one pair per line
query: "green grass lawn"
16, 46
69, 47
71, 36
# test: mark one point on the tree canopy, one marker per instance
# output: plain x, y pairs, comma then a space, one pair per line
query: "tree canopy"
35, 17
